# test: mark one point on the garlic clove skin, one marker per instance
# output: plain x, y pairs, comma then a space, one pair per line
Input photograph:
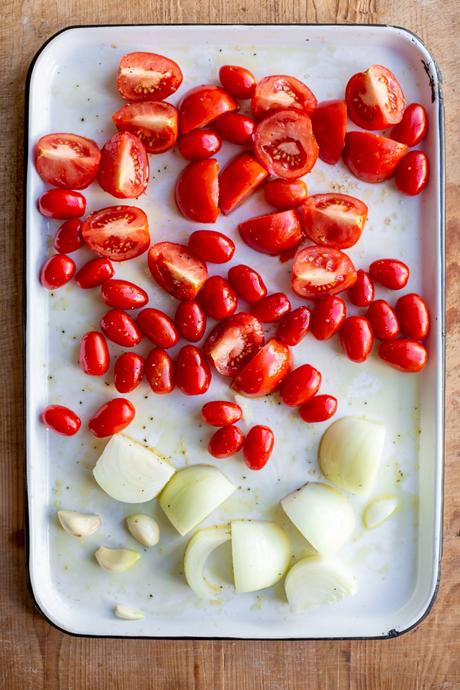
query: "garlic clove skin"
77, 524
116, 560
127, 613
144, 529
379, 510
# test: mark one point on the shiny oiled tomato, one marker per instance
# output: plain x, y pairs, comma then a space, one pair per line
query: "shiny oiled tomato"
61, 204
94, 354
177, 270
374, 98
412, 173
232, 343
128, 372
120, 328
114, 416
383, 320
357, 338
300, 385
225, 442
197, 191
334, 220
68, 237
117, 232
258, 446
154, 122
413, 316
124, 167
193, 375
94, 273
371, 157
285, 194
67, 160
294, 327
319, 409
158, 327
147, 77
122, 294
237, 81
190, 320
212, 246
404, 354
247, 283
265, 372
203, 105
235, 127
218, 298
273, 233
199, 143
272, 308
391, 273
362, 292
57, 271
329, 120
61, 419
413, 126
328, 317
159, 372
238, 180
221, 413
321, 271
281, 92
285, 145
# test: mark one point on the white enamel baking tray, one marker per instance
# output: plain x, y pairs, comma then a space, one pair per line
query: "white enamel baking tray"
71, 87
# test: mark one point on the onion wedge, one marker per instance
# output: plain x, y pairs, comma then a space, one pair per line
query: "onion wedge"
200, 546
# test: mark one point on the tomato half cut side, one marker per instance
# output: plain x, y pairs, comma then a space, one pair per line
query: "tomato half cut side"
202, 105
329, 120
197, 191
147, 77
265, 372
281, 92
177, 270
374, 98
273, 233
124, 167
233, 342
239, 179
154, 122
334, 220
117, 232
371, 157
67, 160
321, 271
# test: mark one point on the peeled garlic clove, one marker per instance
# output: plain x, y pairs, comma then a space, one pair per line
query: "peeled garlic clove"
261, 553
144, 529
116, 560
78, 524
200, 546
379, 510
315, 582
128, 613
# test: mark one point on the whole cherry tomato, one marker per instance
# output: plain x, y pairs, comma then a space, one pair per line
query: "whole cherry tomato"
329, 120
285, 194
258, 446
94, 273
404, 354
362, 292
212, 246
117, 232
247, 283
357, 338
294, 326
225, 442
334, 220
221, 413
61, 419
300, 385
318, 409
154, 122
413, 316
158, 327
124, 168
218, 298
190, 320
327, 317
199, 143
203, 105
321, 271
121, 328
235, 127
61, 204
112, 417
374, 98
272, 308
159, 371
281, 92
177, 270
371, 157
273, 233
413, 126
68, 237
197, 191
391, 273
94, 354
239, 179
122, 294
57, 271
232, 343
383, 320
147, 77
265, 372
193, 375
128, 372
237, 81
67, 160
412, 173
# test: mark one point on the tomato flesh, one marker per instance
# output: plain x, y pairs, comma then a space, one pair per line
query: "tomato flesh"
258, 446
193, 375
321, 271
374, 98
199, 143
329, 120
235, 127
328, 317
221, 413
232, 343
357, 338
237, 81
190, 320
57, 271
212, 246
404, 354
300, 385
197, 191
272, 308
62, 204
159, 372
413, 126
114, 416
61, 419
94, 273
371, 157
94, 354
122, 294
265, 372
285, 194
147, 77
362, 292
68, 237
273, 233
117, 232
334, 220
177, 270
67, 160
128, 372
294, 327
120, 328
124, 167
281, 92
412, 173
238, 180
319, 409
218, 298
383, 319
226, 442
413, 316
155, 123
391, 273
247, 283
203, 105
158, 327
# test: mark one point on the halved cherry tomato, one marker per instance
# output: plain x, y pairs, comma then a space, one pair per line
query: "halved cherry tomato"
334, 220
147, 77
122, 294
362, 292
265, 372
318, 409
281, 92
235, 127
357, 338
237, 81
391, 273
94, 273
159, 372
117, 232
374, 98
273, 233
413, 126
197, 191
232, 343
61, 419
154, 122
294, 326
404, 354
221, 413
413, 316
212, 246
121, 328
94, 354
128, 372
383, 320
238, 180
272, 308
412, 173
193, 375
247, 283
202, 105
371, 157
328, 317
225, 442
218, 298
321, 271
190, 320
124, 167
57, 271
285, 145
285, 194
329, 120
68, 237
177, 270
258, 446
199, 143
114, 416
158, 327
300, 385
61, 204
67, 160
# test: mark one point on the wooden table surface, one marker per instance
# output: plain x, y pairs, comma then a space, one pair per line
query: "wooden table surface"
35, 656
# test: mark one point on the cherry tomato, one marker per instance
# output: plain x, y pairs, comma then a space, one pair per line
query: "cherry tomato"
124, 167
321, 271
197, 191
383, 320
285, 145
404, 354
281, 92
62, 203
371, 157
94, 354
272, 308
193, 375
237, 81
391, 273
300, 385
225, 442
258, 446
202, 105
328, 317
357, 338
190, 320
238, 180
334, 220
235, 127
413, 316
94, 273
117, 232
57, 271
68, 237
158, 327
413, 126
128, 372
218, 298
362, 292
114, 416
318, 409
247, 283
67, 160
212, 246
61, 419
147, 77
122, 294
412, 173
285, 194
177, 270
273, 233
374, 98
199, 143
232, 343
329, 120
154, 122
159, 372
121, 328
294, 326
221, 413
265, 372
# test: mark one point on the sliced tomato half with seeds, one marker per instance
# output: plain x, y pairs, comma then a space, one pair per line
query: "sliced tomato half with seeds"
147, 77
154, 122
233, 342
334, 220
117, 232
67, 160
321, 271
374, 98
281, 92
177, 270
124, 168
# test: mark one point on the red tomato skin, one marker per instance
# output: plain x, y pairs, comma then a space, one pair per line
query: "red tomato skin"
383, 320
391, 273
57, 271
190, 320
329, 120
247, 283
110, 170
120, 328
68, 237
413, 173
199, 143
238, 180
265, 372
112, 417
370, 157
193, 375
129, 239
361, 294
122, 294
273, 233
258, 446
413, 126
134, 118
339, 264
211, 246
300, 385
163, 259
245, 335
94, 273
413, 316
128, 372
169, 82
221, 413
159, 372
319, 409
357, 338
294, 327
404, 354
334, 220
237, 81
226, 442
61, 204
236, 128
285, 194
376, 115
63, 171
203, 105
158, 327
327, 317
61, 419
197, 191
218, 298
302, 98
94, 354
272, 308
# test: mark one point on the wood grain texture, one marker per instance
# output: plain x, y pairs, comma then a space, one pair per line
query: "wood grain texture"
35, 656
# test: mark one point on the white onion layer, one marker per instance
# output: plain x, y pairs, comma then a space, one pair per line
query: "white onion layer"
315, 582
199, 548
